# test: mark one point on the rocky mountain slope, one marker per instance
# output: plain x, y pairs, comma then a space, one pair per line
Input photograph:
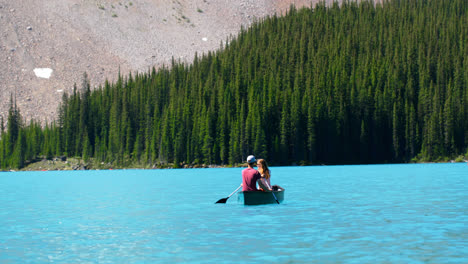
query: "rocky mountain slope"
47, 45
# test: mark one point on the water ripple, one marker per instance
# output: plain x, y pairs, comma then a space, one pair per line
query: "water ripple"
339, 214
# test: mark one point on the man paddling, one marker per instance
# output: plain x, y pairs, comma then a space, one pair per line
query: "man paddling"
250, 175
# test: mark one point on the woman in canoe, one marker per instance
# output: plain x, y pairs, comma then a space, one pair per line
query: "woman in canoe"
264, 181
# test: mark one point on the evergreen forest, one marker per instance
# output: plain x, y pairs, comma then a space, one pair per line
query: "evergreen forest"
348, 83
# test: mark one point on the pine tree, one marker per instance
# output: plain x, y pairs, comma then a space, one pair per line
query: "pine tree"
355, 82
18, 157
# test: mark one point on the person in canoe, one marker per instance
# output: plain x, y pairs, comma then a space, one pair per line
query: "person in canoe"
264, 181
250, 176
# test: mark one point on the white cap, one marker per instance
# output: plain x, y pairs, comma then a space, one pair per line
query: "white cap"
251, 159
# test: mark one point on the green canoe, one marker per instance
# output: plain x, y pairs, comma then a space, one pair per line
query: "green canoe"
260, 197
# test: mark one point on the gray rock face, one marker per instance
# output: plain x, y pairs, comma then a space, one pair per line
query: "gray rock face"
102, 37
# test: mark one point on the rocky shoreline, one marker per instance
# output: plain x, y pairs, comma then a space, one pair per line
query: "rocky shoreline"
64, 163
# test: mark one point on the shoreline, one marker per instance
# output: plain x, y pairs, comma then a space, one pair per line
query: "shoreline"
68, 164
63, 164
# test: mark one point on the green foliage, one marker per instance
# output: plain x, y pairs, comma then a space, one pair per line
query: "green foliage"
460, 158
350, 83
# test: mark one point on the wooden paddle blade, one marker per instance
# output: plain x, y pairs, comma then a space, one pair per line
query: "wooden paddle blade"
223, 200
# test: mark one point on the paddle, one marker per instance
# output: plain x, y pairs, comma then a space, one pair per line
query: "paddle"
274, 196
224, 200
269, 187
272, 192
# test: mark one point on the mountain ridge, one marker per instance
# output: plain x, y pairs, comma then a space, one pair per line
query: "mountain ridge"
103, 38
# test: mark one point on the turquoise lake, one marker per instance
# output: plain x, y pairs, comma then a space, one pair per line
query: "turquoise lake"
415, 213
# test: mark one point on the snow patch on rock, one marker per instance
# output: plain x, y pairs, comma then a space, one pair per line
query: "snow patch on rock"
43, 72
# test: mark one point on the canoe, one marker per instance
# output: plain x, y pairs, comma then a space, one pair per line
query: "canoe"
260, 197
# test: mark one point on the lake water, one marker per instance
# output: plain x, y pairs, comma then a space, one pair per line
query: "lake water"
331, 214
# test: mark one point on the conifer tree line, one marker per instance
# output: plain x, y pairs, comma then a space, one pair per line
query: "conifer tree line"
342, 84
